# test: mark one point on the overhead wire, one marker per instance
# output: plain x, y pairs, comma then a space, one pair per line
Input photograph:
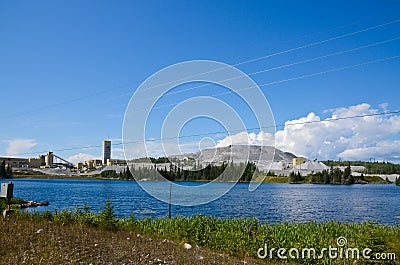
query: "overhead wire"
277, 67
268, 84
228, 92
286, 80
216, 132
237, 64
262, 71
285, 51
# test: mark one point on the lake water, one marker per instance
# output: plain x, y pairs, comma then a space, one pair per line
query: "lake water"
270, 202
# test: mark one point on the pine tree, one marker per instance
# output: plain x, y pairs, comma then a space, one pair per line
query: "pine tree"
292, 177
325, 177
3, 173
9, 171
346, 175
350, 179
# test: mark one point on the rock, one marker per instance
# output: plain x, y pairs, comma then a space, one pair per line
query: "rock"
28, 204
187, 246
46, 203
7, 213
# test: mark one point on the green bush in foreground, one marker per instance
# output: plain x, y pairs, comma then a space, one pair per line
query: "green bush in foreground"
243, 237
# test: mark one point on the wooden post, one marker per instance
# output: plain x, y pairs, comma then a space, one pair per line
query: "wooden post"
8, 204
170, 200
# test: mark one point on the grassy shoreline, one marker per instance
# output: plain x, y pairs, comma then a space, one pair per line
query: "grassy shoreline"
85, 237
32, 240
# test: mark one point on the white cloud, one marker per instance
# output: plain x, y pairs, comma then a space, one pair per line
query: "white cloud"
244, 138
384, 106
357, 138
20, 146
385, 150
81, 157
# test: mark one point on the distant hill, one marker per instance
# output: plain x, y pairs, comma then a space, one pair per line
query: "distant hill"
239, 154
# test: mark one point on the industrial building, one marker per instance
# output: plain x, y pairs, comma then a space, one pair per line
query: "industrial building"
43, 161
24, 162
113, 162
105, 161
15, 162
89, 164
51, 160
106, 151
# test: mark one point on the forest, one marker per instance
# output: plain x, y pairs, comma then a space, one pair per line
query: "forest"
232, 172
370, 167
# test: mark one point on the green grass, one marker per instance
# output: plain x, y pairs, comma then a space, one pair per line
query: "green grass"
239, 238
375, 180
275, 179
3, 203
243, 237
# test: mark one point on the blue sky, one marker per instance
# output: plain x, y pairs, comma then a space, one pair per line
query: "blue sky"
69, 68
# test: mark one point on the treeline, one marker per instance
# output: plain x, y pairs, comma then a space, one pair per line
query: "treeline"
211, 172
5, 171
126, 174
370, 167
332, 176
225, 172
158, 160
336, 176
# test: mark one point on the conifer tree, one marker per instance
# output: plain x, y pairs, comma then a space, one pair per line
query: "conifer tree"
3, 173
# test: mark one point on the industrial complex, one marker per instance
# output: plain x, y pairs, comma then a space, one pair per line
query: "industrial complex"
51, 160
266, 159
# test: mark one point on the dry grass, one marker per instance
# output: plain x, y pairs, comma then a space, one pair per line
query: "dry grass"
28, 240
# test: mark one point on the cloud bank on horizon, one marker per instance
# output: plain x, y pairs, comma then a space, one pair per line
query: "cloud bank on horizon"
349, 139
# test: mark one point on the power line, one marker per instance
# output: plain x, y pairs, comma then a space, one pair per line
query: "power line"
216, 132
272, 69
237, 64
285, 51
267, 84
320, 42
278, 67
287, 80
104, 91
228, 92
261, 71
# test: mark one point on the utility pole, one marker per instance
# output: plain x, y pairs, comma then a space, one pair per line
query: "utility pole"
170, 200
